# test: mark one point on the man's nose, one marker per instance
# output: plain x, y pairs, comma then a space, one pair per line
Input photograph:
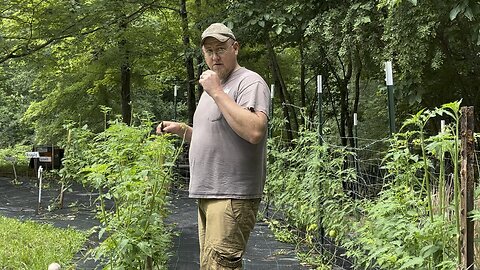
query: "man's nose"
215, 56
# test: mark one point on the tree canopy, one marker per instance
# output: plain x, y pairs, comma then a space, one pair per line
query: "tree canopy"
86, 61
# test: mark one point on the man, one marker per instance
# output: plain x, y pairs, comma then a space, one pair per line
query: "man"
227, 150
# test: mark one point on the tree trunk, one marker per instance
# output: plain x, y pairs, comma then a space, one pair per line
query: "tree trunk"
358, 75
188, 63
303, 94
199, 73
344, 100
200, 64
125, 72
343, 112
287, 101
281, 93
149, 263
126, 100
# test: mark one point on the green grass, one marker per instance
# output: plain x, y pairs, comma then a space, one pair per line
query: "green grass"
31, 245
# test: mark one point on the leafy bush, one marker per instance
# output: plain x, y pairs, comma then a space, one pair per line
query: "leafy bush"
396, 233
14, 161
17, 152
414, 224
132, 169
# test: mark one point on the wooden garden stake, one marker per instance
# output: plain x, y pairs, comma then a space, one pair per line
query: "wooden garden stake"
467, 187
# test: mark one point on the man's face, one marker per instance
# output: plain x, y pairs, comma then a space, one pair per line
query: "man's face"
221, 57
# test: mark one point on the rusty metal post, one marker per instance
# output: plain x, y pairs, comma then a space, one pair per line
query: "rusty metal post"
467, 186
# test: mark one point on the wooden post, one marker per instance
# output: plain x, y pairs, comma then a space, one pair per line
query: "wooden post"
467, 187
62, 193
149, 263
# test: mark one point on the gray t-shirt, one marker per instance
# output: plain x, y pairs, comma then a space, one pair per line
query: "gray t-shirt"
222, 164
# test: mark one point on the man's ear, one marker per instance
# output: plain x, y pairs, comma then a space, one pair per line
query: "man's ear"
236, 46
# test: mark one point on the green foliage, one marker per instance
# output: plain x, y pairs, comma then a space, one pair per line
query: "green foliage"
395, 233
16, 152
14, 161
63, 65
31, 245
15, 81
284, 21
78, 69
305, 185
393, 3
132, 170
423, 41
29, 27
66, 60
413, 224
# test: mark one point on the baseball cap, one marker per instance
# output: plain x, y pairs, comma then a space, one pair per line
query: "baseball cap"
218, 31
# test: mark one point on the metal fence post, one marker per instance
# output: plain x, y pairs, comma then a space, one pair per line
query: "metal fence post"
391, 102
355, 144
320, 114
39, 176
175, 90
272, 91
320, 141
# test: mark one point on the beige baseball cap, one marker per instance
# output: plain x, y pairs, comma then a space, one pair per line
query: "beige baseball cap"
218, 31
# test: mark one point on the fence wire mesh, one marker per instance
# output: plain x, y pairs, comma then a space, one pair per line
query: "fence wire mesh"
367, 157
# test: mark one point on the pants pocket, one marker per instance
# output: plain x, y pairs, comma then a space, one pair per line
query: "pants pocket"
229, 262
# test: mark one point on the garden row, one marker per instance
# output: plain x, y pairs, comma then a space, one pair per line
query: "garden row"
414, 220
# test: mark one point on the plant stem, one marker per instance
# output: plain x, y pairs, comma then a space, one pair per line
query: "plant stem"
426, 178
102, 204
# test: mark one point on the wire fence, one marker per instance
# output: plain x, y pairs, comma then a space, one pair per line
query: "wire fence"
367, 159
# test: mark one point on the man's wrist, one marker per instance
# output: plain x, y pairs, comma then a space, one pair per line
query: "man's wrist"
183, 129
218, 93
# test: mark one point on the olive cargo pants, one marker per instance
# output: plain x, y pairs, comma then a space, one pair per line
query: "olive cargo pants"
224, 226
